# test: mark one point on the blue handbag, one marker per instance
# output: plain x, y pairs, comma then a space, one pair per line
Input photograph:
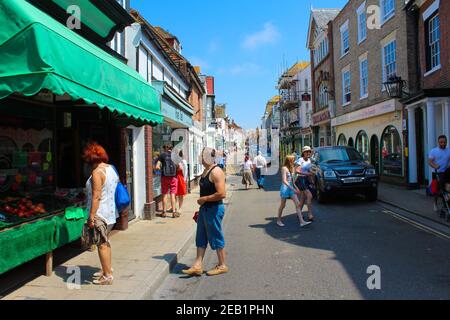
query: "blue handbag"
122, 196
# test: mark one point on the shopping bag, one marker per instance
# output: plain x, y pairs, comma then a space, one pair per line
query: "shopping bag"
122, 196
196, 215
435, 187
261, 182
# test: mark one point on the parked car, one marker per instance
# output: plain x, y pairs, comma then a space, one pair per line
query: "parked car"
342, 170
393, 164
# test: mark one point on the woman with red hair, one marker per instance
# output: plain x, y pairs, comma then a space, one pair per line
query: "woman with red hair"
101, 204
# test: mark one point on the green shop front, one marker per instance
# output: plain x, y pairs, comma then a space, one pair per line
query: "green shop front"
58, 92
177, 113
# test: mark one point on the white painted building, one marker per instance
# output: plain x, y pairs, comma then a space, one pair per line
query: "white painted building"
305, 110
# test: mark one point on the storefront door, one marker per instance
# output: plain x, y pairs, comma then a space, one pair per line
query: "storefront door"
420, 138
375, 152
129, 170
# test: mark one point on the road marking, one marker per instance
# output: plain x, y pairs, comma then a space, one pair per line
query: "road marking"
417, 224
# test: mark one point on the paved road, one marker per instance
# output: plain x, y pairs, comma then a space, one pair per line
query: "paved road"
329, 260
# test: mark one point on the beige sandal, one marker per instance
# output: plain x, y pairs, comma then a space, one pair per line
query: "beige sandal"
100, 274
104, 281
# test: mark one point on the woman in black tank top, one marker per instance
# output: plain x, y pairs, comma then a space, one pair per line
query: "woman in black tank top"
212, 211
208, 188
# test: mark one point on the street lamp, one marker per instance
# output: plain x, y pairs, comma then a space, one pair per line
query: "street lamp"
395, 87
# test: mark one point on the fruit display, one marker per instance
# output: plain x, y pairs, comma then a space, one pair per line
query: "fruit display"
23, 208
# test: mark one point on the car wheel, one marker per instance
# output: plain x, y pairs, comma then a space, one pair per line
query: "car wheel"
321, 196
372, 196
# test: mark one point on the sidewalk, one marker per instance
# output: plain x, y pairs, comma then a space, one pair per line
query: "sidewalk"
142, 258
413, 201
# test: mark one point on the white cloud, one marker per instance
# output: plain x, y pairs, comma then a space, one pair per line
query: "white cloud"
244, 69
268, 35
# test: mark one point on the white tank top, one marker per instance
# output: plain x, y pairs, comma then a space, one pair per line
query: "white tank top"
107, 209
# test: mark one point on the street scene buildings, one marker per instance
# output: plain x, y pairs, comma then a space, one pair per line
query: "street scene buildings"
358, 62
100, 104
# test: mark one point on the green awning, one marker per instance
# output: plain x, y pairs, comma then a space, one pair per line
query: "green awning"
173, 107
90, 16
37, 52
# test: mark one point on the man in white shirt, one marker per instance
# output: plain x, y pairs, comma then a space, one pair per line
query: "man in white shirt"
261, 165
440, 157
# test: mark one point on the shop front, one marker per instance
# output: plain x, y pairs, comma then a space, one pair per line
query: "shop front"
174, 131
428, 118
376, 132
322, 128
306, 137
50, 108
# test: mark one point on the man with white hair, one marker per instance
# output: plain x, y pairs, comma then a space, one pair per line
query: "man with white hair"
260, 164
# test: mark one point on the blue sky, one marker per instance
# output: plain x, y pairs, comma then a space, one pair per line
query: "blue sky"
242, 43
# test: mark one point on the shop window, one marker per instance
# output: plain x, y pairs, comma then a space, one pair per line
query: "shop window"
351, 143
389, 60
362, 144
342, 141
391, 154
432, 42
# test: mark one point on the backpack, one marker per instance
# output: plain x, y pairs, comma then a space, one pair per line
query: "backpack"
169, 169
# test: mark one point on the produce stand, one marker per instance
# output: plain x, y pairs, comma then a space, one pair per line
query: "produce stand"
36, 216
24, 242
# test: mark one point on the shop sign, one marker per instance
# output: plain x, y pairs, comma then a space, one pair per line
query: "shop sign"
175, 114
306, 97
321, 117
366, 113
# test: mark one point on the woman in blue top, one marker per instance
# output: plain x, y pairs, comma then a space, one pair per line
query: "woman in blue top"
289, 191
304, 175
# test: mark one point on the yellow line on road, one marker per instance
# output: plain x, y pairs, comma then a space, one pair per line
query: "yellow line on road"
417, 224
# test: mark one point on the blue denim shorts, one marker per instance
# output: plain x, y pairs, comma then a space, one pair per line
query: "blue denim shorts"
209, 227
286, 193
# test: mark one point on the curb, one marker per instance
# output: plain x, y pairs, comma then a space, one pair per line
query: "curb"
420, 224
156, 278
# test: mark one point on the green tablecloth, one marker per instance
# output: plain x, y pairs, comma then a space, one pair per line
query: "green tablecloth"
27, 242
22, 244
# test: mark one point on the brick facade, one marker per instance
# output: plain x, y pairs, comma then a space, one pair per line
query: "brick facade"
325, 67
196, 100
396, 28
322, 75
440, 78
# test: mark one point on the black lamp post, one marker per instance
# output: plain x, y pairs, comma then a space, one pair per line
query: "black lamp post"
395, 87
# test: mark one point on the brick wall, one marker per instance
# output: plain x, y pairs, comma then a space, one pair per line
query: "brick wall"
325, 66
440, 78
372, 46
196, 100
210, 85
